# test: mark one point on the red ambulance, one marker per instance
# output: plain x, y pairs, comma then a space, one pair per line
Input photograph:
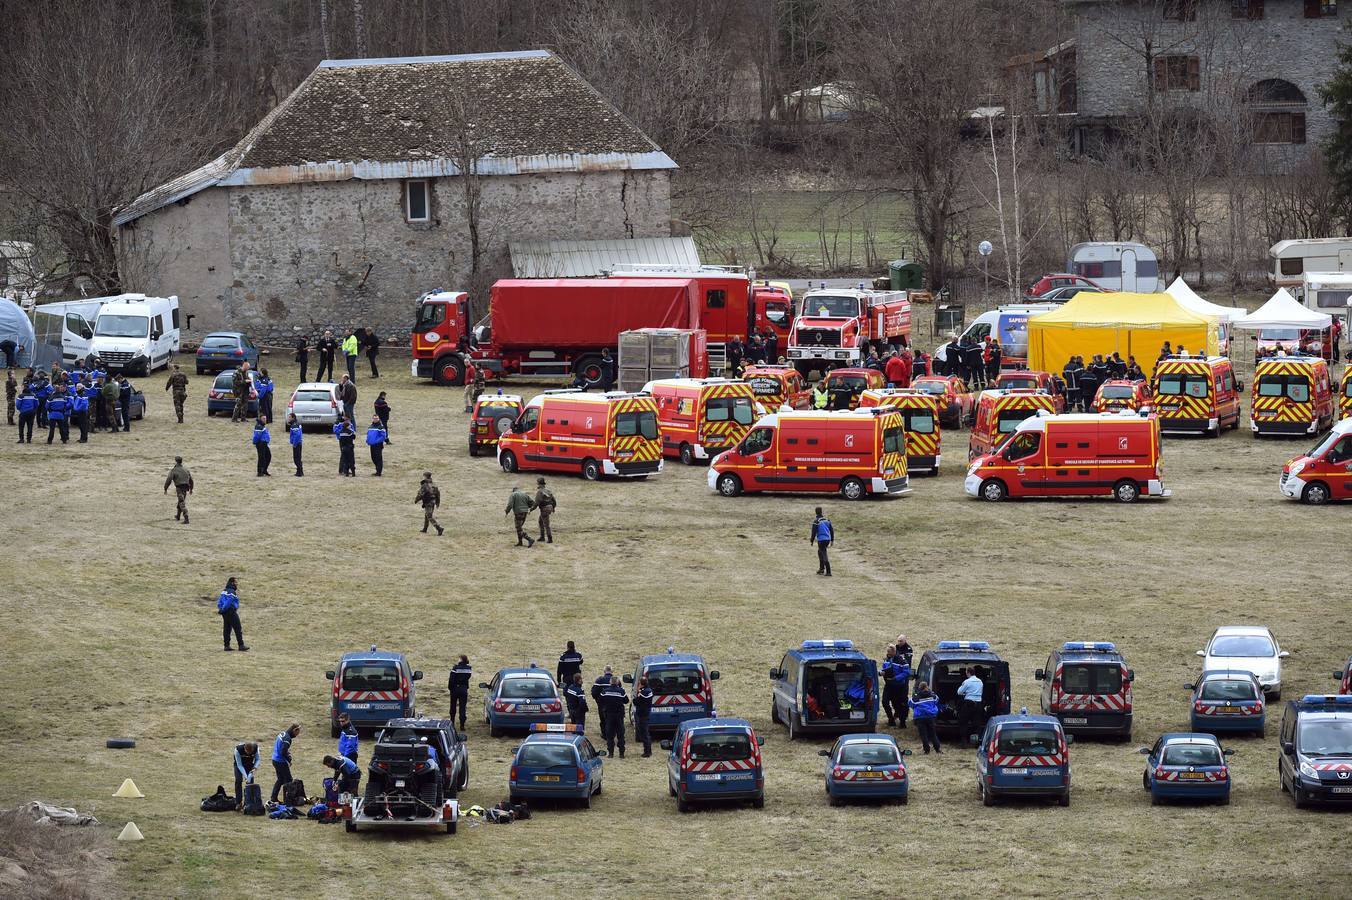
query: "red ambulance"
594, 434
1325, 472
701, 417
856, 453
1088, 454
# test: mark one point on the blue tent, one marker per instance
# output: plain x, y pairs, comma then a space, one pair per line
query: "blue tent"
14, 326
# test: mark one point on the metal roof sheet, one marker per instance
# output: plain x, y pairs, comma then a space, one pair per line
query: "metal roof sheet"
586, 259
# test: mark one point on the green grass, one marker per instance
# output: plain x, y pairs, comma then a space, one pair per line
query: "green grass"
107, 628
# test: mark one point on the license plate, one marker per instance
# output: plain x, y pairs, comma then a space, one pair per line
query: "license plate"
708, 777
399, 783
664, 709
870, 775
1072, 720
856, 715
1341, 790
1192, 776
527, 709
1013, 771
359, 706
1265, 414
546, 778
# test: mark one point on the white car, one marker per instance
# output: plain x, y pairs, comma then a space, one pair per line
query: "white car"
1248, 648
315, 403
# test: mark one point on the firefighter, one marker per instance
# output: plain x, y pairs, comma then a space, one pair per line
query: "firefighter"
181, 479
643, 705
823, 534
576, 695
545, 504
607, 370
429, 495
611, 701
570, 664
519, 505
458, 685
1071, 376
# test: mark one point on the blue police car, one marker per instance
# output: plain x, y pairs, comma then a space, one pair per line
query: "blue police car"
866, 766
714, 760
1315, 760
682, 687
1186, 766
825, 687
1228, 700
518, 698
372, 687
555, 761
1023, 755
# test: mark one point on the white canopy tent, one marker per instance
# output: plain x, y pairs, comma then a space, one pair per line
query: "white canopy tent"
1284, 311
1188, 299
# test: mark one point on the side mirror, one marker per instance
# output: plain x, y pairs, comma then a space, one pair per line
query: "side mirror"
974, 741
775, 675
665, 745
1338, 676
1131, 675
1228, 752
1288, 747
627, 679
484, 685
1040, 675
1201, 653
1284, 654
155, 335
760, 740
1070, 738
906, 753
417, 674
330, 674
1144, 751
823, 752
713, 676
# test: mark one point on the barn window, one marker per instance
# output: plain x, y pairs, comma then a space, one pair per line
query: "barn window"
1319, 9
1278, 111
416, 205
1178, 73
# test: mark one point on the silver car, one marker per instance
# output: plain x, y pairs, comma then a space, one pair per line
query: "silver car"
1248, 648
315, 403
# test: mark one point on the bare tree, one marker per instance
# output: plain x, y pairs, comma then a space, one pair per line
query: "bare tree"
359, 27
324, 28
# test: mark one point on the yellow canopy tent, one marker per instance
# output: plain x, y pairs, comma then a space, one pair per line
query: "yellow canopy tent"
1129, 324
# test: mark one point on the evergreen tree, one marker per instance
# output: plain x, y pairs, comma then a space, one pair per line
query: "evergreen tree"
1337, 96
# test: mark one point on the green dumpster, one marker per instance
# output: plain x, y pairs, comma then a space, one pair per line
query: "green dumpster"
906, 275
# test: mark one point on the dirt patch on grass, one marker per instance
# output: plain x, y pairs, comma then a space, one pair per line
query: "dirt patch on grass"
52, 862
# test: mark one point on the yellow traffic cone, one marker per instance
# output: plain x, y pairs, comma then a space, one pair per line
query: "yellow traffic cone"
131, 833
128, 790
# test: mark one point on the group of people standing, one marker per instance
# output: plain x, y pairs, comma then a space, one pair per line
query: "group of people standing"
976, 362
88, 399
760, 349
354, 343
1083, 381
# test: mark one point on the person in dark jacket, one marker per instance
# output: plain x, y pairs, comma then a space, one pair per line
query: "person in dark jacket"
643, 707
245, 765
347, 396
346, 773
281, 758
296, 436
124, 391
371, 344
823, 534
597, 686
348, 738
382, 407
893, 701
576, 696
570, 663
227, 606
347, 439
925, 709
734, 357
261, 441
458, 685
611, 701
375, 440
303, 357
328, 349
607, 370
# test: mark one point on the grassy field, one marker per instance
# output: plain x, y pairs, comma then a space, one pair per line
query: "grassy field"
108, 628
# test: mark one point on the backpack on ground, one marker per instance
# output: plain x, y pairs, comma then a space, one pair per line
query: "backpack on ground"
520, 811
253, 800
330, 791
219, 801
293, 793
284, 812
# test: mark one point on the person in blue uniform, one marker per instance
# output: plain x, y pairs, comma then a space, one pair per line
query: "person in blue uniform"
458, 684
227, 605
58, 410
348, 739
346, 772
347, 438
643, 707
296, 436
246, 764
570, 663
261, 439
611, 701
281, 758
376, 436
576, 697
27, 405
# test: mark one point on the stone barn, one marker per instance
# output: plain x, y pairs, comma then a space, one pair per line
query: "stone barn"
354, 195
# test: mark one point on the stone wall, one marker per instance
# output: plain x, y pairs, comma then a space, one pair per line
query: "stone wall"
307, 256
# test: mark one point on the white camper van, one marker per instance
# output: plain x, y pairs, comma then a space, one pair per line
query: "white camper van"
1117, 266
1292, 259
136, 333
67, 327
1327, 292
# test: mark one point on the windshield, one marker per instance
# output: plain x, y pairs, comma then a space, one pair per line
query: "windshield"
430, 315
527, 688
830, 306
1039, 741
857, 754
722, 409
1091, 679
631, 423
1175, 384
1227, 689
931, 387
371, 677
122, 326
220, 343
765, 385
720, 746
1242, 645
1021, 382
855, 383
1326, 737
312, 396
1324, 442
894, 440
1010, 418
1117, 392
1191, 755
546, 754
685, 680
1279, 334
920, 423
1296, 387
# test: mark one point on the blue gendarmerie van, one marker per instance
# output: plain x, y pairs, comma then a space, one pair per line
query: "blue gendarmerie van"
372, 687
825, 687
1023, 755
715, 760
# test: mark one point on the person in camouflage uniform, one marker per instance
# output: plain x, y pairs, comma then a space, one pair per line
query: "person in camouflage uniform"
519, 504
181, 479
240, 388
178, 383
545, 504
430, 498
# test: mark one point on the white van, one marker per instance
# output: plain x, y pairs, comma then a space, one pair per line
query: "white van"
136, 333
1009, 324
67, 327
1117, 266
1292, 259
1327, 292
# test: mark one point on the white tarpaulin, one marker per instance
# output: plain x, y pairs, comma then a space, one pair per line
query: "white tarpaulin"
47, 814
1284, 311
1188, 299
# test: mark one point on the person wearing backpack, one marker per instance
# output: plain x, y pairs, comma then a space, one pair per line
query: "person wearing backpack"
281, 758
246, 764
823, 535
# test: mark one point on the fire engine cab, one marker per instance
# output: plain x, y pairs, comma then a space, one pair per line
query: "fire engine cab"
595, 434
1325, 472
836, 324
1087, 686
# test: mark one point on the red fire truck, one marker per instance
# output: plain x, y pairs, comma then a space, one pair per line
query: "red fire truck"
836, 325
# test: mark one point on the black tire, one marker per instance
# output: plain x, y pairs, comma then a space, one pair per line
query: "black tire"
1126, 491
119, 743
1316, 493
1145, 781
587, 801
494, 731
758, 803
589, 369
687, 454
591, 469
201, 371
1155, 799
903, 799
852, 488
682, 804
473, 449
987, 798
464, 777
729, 485
774, 713
449, 370
670, 789
349, 826
1225, 801
450, 827
508, 461
993, 490
793, 726
1064, 799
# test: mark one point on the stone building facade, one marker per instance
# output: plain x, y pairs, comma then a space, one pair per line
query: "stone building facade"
347, 201
1265, 59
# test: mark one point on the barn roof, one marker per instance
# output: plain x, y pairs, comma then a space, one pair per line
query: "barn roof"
526, 112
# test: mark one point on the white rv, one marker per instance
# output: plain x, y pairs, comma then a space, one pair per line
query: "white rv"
136, 333
1117, 266
1327, 292
67, 327
1292, 259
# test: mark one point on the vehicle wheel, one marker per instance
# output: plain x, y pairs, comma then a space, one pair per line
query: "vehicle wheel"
334, 730
201, 371
1155, 799
1301, 802
141, 414
449, 370
1225, 801
450, 827
1214, 432
349, 826
473, 449
729, 485
599, 787
508, 461
793, 726
1315, 494
987, 798
687, 454
1127, 491
852, 489
589, 367
1064, 799
903, 799
464, 777
682, 805
670, 790
774, 713
993, 490
591, 470
1145, 781
832, 799
758, 803
587, 801
494, 731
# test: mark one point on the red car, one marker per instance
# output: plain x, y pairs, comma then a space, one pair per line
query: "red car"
856, 381
1028, 380
1120, 394
1049, 283
956, 401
